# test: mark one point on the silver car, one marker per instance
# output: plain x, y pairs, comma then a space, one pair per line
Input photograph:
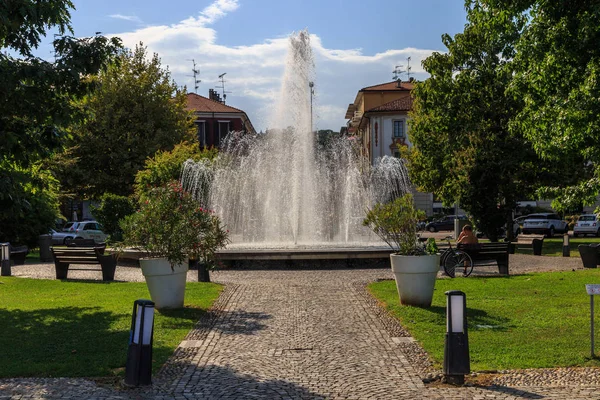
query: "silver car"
587, 225
83, 230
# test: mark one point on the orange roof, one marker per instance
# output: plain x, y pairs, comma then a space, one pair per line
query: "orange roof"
393, 85
403, 104
198, 103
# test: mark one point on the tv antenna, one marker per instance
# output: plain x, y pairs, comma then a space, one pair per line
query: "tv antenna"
408, 68
196, 73
398, 71
222, 87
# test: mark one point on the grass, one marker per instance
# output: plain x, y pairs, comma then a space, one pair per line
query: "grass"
53, 328
527, 321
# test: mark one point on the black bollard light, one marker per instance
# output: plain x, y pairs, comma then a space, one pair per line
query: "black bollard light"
566, 247
138, 369
5, 259
456, 347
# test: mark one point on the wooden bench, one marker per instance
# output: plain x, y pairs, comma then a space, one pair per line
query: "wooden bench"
18, 254
66, 255
533, 242
495, 251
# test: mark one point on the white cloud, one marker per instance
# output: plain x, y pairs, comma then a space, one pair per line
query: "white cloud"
131, 18
254, 72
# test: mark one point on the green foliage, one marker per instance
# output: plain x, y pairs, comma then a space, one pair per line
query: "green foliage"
166, 166
171, 224
137, 110
28, 203
57, 328
37, 95
396, 224
431, 246
557, 74
37, 107
112, 209
529, 321
463, 148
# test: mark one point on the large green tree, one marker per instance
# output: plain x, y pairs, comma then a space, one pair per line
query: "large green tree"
37, 98
557, 75
136, 111
463, 148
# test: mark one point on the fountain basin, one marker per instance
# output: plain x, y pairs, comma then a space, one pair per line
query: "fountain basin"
319, 258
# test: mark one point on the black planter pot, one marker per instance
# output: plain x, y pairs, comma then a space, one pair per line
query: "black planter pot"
203, 272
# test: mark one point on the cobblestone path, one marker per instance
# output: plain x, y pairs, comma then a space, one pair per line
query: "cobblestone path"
291, 335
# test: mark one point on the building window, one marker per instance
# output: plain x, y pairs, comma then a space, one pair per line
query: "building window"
396, 154
223, 131
201, 130
399, 128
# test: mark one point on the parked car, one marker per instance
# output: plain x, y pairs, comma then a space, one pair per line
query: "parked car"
545, 223
587, 225
444, 224
83, 229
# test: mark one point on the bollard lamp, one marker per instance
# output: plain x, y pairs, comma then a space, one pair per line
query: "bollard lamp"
566, 247
5, 259
138, 369
456, 347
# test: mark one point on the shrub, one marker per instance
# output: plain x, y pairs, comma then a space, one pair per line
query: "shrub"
112, 209
396, 224
29, 203
165, 166
170, 224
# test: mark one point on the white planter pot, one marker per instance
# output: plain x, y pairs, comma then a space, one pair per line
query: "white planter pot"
166, 287
415, 278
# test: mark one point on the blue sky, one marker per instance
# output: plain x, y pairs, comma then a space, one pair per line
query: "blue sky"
355, 43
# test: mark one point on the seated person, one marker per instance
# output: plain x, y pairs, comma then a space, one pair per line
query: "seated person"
467, 236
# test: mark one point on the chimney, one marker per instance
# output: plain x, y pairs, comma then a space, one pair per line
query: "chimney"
399, 83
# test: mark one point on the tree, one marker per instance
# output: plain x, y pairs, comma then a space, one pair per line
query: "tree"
463, 148
37, 106
558, 77
137, 111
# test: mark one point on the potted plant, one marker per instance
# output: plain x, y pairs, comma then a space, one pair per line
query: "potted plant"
170, 227
415, 265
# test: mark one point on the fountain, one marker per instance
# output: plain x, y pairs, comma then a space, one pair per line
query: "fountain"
283, 191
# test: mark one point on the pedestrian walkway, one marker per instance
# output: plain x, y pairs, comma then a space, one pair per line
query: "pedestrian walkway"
282, 334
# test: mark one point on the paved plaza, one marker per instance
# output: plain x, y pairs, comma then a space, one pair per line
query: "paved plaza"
305, 334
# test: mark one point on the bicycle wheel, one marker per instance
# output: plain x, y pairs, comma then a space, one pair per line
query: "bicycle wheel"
443, 256
458, 260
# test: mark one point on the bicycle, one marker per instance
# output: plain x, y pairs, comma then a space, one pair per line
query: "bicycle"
453, 258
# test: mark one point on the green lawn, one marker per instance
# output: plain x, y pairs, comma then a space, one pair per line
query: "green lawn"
66, 329
527, 321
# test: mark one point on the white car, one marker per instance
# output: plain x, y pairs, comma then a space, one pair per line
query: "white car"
79, 230
545, 223
587, 225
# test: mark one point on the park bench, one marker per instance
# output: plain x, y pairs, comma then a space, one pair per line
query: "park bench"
66, 255
18, 254
533, 242
494, 251
590, 254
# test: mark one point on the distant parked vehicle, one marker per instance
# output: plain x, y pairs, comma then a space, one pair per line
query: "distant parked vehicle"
83, 229
587, 224
545, 223
444, 224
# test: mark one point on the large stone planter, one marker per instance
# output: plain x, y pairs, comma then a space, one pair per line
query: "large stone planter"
166, 287
415, 278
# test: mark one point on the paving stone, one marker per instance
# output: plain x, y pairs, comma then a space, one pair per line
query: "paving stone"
307, 334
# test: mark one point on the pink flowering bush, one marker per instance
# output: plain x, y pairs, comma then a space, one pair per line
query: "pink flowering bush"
170, 224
